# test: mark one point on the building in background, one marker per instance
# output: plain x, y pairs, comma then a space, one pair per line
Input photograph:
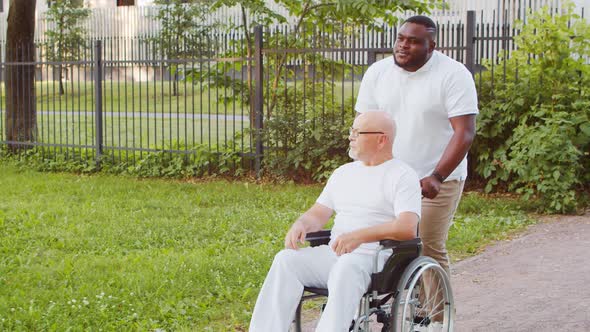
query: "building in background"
134, 18
112, 17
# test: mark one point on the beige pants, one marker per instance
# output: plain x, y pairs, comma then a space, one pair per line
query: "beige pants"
437, 216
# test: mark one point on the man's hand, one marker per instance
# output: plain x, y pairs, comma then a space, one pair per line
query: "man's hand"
346, 243
430, 186
456, 150
295, 234
313, 219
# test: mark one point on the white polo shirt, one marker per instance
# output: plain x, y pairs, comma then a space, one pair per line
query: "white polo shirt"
364, 196
421, 104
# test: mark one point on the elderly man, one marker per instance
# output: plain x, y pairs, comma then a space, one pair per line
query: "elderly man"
376, 197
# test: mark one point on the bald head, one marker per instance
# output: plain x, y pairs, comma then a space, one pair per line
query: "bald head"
371, 138
378, 121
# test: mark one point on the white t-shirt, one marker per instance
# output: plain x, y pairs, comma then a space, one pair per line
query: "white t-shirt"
364, 196
421, 104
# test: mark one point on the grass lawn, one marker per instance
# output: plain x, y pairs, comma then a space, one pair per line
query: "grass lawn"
135, 131
133, 97
114, 253
154, 97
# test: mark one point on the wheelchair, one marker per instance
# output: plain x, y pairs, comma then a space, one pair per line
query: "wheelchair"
397, 299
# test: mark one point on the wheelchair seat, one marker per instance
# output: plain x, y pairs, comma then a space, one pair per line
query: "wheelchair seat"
398, 279
403, 252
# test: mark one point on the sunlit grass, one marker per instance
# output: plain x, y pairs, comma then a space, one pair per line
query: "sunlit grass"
118, 253
157, 97
136, 130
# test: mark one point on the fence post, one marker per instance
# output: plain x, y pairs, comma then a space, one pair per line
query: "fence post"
258, 98
98, 99
470, 41
371, 57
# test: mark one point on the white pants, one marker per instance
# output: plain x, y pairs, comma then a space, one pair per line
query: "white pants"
347, 278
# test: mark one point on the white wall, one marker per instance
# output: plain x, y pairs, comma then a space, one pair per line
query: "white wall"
101, 3
582, 3
454, 4
42, 4
107, 20
113, 3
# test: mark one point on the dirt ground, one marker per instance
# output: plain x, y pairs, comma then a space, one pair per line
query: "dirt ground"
539, 281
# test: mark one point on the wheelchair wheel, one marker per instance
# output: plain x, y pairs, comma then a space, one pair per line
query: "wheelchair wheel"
424, 301
308, 315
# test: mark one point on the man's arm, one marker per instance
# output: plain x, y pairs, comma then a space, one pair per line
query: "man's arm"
401, 229
312, 220
464, 133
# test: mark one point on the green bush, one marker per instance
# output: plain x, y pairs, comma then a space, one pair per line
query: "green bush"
201, 160
306, 143
533, 132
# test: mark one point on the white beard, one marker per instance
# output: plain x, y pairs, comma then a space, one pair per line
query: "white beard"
351, 154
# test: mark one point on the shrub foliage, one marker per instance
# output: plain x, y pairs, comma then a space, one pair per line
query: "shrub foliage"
534, 127
306, 138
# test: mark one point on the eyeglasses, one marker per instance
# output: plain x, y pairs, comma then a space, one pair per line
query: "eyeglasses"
354, 133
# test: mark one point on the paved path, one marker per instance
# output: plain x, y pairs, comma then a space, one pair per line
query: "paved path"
539, 281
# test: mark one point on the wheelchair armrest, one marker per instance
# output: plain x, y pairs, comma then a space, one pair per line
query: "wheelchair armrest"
403, 252
391, 244
318, 238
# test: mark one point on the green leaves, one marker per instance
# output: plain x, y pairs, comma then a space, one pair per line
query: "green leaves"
368, 12
306, 136
183, 26
533, 130
65, 41
201, 160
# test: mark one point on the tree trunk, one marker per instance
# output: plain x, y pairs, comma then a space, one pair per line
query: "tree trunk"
72, 80
61, 81
20, 78
249, 67
175, 83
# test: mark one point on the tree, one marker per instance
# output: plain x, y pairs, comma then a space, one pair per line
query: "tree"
261, 15
336, 13
20, 73
67, 38
182, 31
308, 14
303, 131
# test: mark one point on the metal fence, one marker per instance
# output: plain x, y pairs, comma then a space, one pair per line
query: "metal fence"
120, 107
